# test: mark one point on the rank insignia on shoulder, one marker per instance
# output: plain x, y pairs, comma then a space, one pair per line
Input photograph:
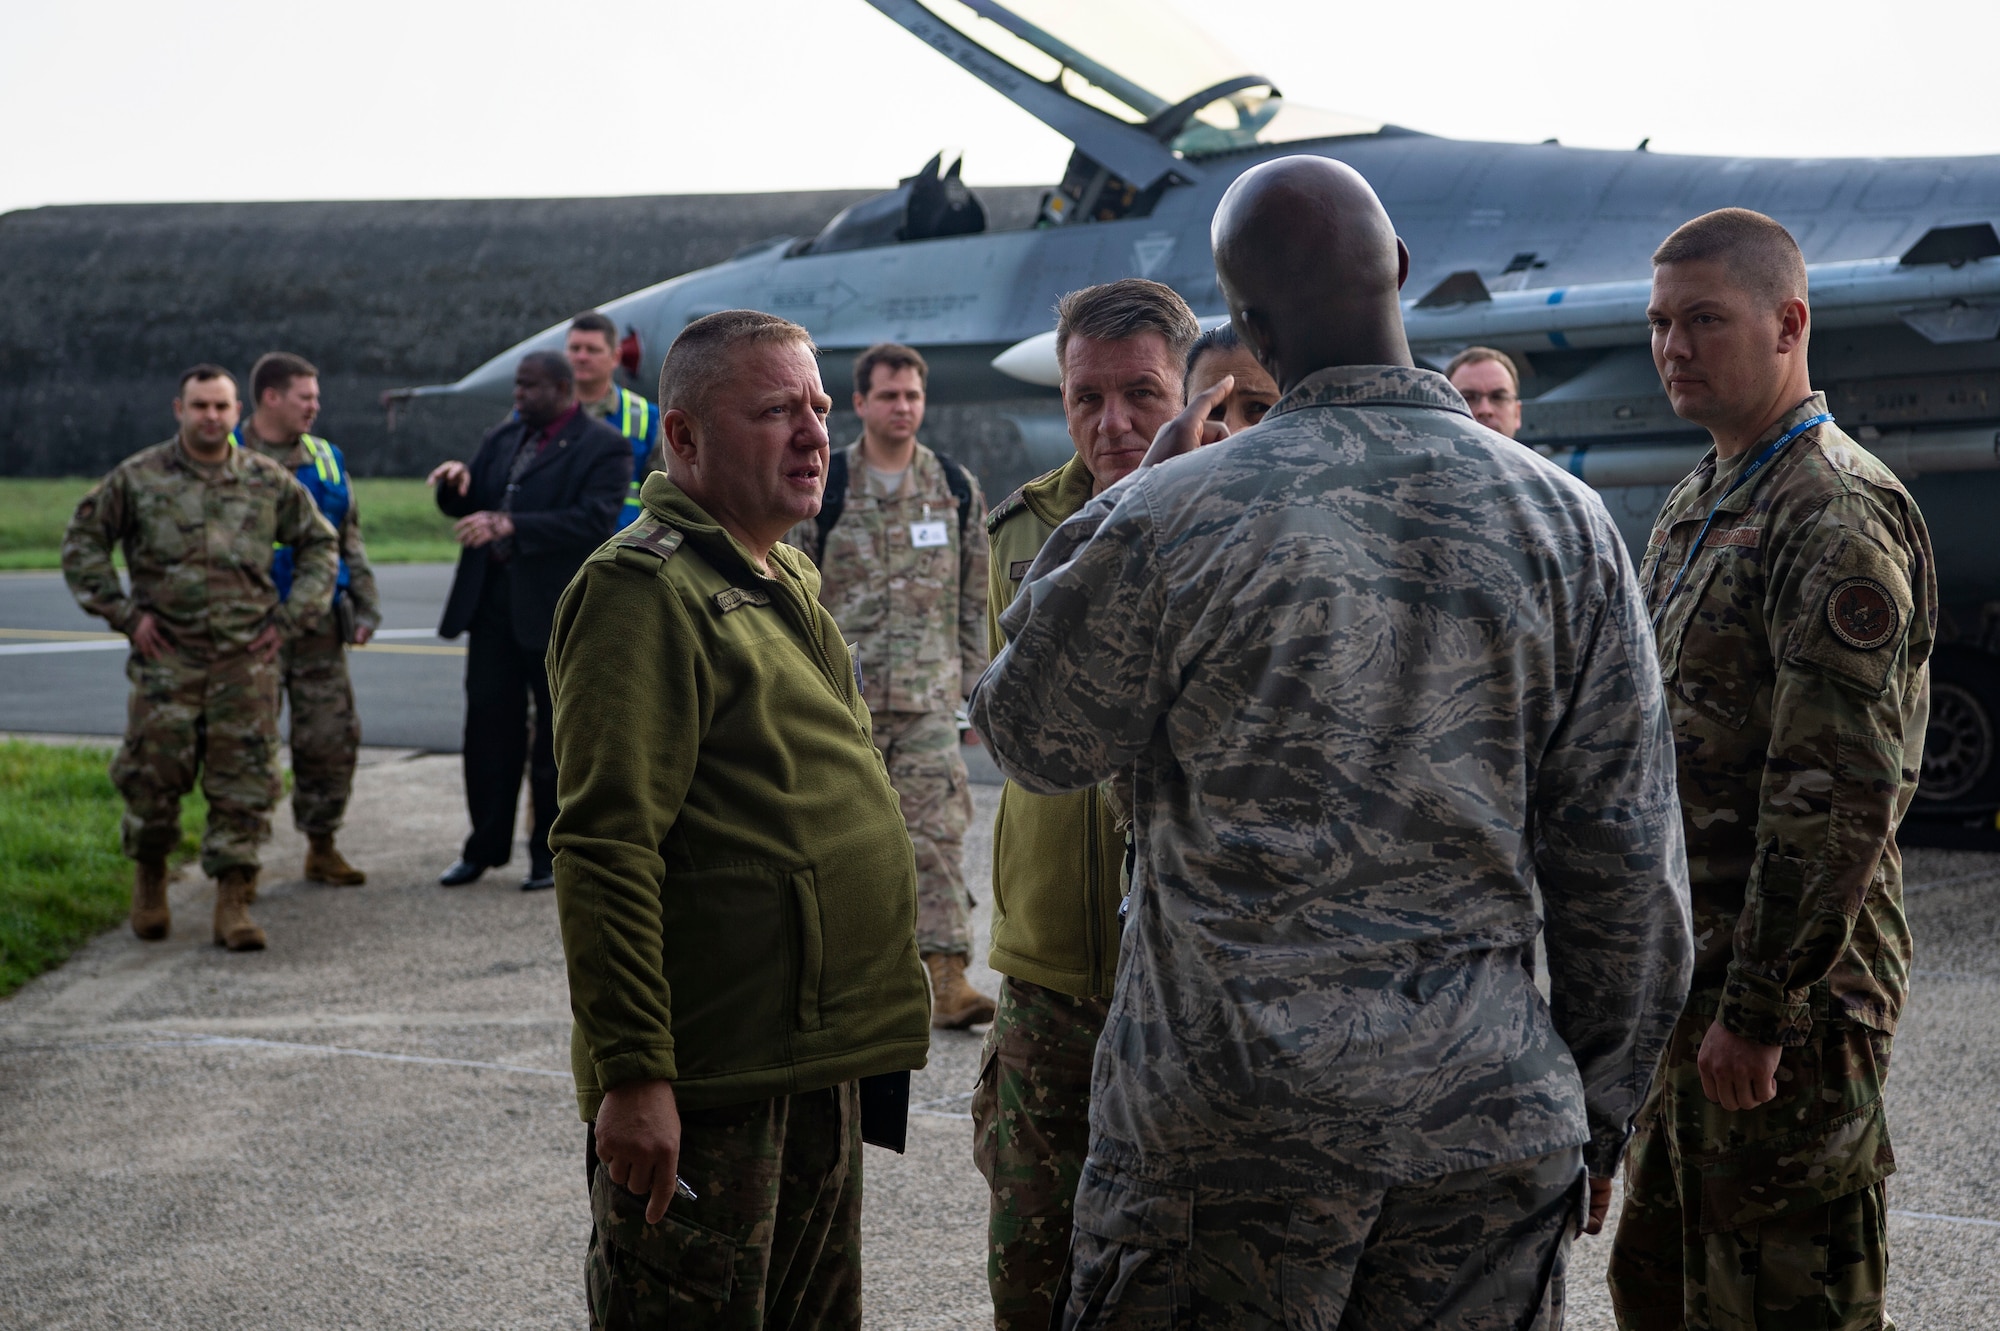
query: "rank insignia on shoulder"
1019, 569
655, 537
1862, 614
735, 598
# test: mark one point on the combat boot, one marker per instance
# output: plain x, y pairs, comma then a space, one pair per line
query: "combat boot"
954, 1003
234, 929
150, 916
326, 865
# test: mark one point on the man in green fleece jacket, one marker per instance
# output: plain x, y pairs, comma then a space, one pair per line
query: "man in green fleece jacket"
736, 888
1056, 859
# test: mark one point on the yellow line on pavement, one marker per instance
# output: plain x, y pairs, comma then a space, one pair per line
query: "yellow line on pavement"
374, 647
59, 635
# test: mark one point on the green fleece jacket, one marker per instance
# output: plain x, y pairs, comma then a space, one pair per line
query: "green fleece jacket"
736, 889
1056, 859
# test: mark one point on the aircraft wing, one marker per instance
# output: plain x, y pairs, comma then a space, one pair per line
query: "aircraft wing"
1946, 287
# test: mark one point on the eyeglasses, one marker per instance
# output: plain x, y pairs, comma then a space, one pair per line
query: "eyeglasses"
1499, 399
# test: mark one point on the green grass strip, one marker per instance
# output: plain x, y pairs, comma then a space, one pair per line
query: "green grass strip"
62, 878
400, 523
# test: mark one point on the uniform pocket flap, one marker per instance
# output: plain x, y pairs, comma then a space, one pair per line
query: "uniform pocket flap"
686, 1256
1807, 1168
1134, 1211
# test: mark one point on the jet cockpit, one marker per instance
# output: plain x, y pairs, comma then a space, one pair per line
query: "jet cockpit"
1161, 97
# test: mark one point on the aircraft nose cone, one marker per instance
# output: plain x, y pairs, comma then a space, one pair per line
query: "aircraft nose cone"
1032, 361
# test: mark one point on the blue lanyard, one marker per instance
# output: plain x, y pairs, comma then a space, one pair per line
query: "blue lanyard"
1749, 473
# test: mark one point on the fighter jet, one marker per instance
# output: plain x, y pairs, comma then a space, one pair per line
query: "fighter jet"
1539, 249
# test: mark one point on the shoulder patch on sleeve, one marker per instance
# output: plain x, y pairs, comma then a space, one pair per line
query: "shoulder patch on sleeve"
1861, 614
1857, 613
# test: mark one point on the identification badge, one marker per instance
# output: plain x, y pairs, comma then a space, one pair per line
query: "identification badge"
928, 535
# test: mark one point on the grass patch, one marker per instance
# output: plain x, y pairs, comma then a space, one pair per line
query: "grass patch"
62, 878
399, 521
33, 513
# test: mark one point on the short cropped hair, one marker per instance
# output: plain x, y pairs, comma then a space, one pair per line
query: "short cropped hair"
1126, 308
551, 364
590, 321
894, 355
1759, 254
700, 356
202, 373
277, 369
1475, 355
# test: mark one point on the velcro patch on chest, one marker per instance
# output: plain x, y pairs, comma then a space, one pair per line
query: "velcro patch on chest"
1862, 614
735, 598
1746, 537
1019, 569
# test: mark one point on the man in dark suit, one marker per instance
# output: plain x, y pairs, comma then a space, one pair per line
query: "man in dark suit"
541, 494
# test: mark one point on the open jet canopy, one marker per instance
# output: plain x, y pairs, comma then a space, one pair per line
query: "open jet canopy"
1157, 95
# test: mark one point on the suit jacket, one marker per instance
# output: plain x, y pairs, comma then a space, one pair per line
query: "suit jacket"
565, 506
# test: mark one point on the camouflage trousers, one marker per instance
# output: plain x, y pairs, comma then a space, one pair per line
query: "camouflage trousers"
1031, 1131
772, 1241
1482, 1249
193, 714
1771, 1218
928, 772
325, 731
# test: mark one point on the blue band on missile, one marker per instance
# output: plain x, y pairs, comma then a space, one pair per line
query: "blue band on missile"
1556, 296
1557, 339
1574, 462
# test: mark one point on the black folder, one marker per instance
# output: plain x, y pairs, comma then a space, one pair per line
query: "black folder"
885, 1110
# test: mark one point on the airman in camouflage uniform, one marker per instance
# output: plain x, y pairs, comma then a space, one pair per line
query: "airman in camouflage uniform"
326, 726
1794, 652
903, 571
197, 538
1380, 672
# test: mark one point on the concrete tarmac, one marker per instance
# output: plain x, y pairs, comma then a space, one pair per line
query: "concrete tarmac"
408, 685
370, 1124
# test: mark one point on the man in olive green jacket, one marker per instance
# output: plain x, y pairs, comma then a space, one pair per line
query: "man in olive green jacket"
1056, 859
736, 889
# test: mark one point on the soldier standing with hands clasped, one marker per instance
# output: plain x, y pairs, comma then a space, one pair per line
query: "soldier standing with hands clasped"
197, 519
900, 542
1793, 597
326, 727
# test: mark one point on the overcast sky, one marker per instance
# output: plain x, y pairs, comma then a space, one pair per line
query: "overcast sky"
124, 101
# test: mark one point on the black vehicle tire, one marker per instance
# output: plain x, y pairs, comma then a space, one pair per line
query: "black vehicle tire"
1961, 768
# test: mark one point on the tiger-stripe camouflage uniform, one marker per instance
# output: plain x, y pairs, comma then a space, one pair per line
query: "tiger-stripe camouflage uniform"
1379, 671
197, 539
1794, 656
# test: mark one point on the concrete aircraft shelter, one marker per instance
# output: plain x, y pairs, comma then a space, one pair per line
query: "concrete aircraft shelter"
102, 305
